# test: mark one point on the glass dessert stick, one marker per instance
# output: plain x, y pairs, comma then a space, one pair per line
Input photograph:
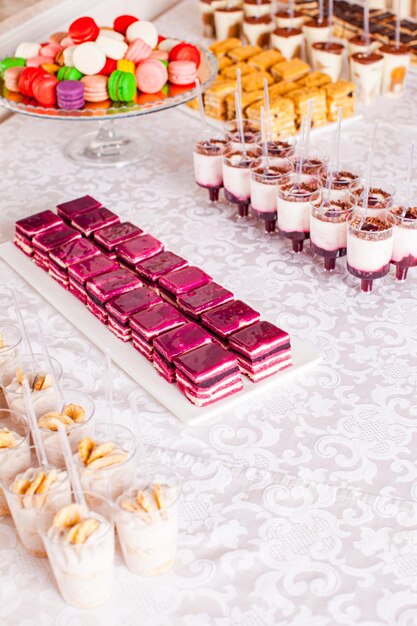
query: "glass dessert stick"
34, 427
50, 366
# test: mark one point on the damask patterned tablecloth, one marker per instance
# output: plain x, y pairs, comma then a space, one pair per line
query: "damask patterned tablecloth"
299, 509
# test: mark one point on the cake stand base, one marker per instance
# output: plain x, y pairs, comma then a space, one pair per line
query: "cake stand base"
106, 148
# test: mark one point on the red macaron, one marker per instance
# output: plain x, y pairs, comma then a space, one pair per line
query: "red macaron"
83, 29
44, 89
122, 23
109, 67
26, 79
185, 52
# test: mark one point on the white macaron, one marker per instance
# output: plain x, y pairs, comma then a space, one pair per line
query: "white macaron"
89, 58
168, 44
68, 54
112, 48
111, 33
27, 49
145, 30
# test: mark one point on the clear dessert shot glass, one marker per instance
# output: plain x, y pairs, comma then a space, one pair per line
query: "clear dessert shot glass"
14, 450
237, 165
380, 197
251, 132
207, 158
147, 521
10, 347
82, 561
263, 193
294, 196
404, 252
328, 229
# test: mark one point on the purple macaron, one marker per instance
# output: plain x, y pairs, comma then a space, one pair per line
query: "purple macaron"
70, 95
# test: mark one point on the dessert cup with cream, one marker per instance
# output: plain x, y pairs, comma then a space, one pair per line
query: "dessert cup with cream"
263, 188
404, 252
207, 159
294, 197
14, 449
236, 176
10, 347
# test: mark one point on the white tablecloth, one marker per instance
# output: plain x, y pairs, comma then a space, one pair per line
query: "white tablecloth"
299, 509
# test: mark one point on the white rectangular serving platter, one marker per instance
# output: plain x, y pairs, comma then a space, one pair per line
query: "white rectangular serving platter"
219, 125
132, 362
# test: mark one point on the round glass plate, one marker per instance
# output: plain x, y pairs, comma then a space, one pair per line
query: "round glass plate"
106, 147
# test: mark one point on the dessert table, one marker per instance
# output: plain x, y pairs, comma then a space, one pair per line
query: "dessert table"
298, 508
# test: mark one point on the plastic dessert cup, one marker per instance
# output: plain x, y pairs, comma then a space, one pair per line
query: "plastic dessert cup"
284, 148
404, 252
44, 393
236, 177
28, 492
328, 58
108, 475
315, 31
10, 346
207, 8
257, 30
288, 40
251, 131
253, 8
147, 522
314, 163
369, 247
78, 406
367, 72
346, 174
14, 450
395, 67
358, 44
380, 198
293, 203
82, 561
263, 192
228, 21
207, 158
328, 229
284, 20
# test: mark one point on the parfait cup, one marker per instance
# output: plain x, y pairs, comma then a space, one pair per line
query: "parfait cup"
14, 450
294, 195
328, 229
237, 165
207, 158
404, 252
263, 188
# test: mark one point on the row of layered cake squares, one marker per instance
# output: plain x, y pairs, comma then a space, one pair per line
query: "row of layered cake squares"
191, 328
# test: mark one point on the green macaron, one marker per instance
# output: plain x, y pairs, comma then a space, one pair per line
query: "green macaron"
69, 73
11, 62
121, 86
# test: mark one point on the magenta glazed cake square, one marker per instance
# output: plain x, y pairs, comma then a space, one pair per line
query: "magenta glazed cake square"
200, 300
112, 236
81, 272
229, 318
55, 237
93, 220
126, 305
184, 280
160, 264
73, 252
149, 324
38, 223
175, 342
138, 249
111, 285
72, 208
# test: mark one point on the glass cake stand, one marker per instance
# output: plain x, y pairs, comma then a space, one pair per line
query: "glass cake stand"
105, 146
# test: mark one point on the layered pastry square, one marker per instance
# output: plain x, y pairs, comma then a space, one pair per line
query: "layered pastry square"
69, 210
80, 273
172, 344
108, 286
148, 325
159, 265
182, 281
262, 349
200, 300
229, 318
208, 374
28, 227
123, 307
47, 241
90, 221
138, 249
111, 236
60, 259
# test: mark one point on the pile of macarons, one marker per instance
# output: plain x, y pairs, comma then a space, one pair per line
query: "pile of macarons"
91, 65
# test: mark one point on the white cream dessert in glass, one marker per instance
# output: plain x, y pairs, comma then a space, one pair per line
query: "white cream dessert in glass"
366, 70
263, 188
257, 31
314, 31
282, 147
345, 175
147, 524
236, 176
395, 68
380, 196
369, 247
253, 8
314, 163
293, 203
42, 385
327, 57
208, 159
251, 133
105, 462
404, 252
10, 345
207, 8
283, 19
358, 44
14, 450
328, 229
81, 548
228, 21
288, 41
76, 416
28, 493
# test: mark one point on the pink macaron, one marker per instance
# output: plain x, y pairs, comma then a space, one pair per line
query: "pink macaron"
51, 49
67, 41
11, 77
138, 51
95, 88
39, 60
182, 72
151, 76
161, 55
